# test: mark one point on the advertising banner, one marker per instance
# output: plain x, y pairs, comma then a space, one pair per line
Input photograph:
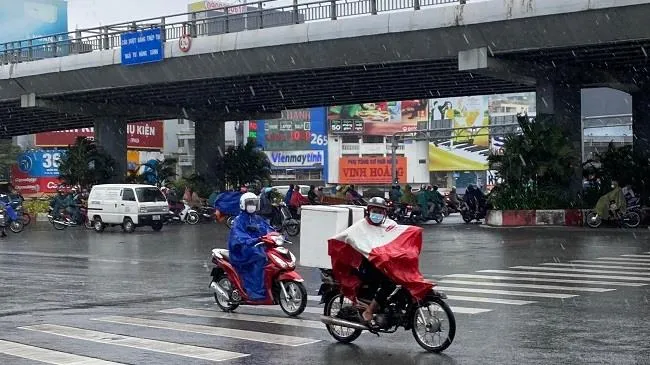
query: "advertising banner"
445, 157
142, 46
28, 185
140, 135
370, 170
464, 112
28, 19
40, 163
296, 159
381, 118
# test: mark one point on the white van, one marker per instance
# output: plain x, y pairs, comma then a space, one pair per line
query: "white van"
127, 205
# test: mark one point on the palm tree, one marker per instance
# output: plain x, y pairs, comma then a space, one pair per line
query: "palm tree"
85, 164
243, 165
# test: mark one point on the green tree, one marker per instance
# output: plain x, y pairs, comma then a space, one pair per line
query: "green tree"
85, 164
537, 167
243, 165
623, 164
8, 157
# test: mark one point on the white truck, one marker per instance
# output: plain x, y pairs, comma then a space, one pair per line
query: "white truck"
126, 205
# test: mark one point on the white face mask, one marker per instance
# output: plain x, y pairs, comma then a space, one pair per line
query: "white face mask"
251, 209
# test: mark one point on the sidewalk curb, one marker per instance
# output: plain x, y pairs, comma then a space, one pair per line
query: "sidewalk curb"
540, 217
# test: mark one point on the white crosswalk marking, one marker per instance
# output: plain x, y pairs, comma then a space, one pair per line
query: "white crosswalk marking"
542, 280
623, 259
212, 331
507, 292
596, 266
645, 257
48, 356
610, 262
574, 275
525, 286
489, 300
545, 268
456, 310
244, 317
171, 348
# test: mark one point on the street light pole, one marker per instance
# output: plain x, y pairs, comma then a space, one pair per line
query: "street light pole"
393, 151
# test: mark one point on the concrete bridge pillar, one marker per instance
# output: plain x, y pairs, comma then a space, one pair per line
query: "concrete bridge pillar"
209, 143
562, 103
110, 134
641, 120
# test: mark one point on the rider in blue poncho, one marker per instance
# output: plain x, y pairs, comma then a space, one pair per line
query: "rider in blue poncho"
247, 259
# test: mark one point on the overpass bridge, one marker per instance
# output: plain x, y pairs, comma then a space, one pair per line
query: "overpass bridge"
333, 52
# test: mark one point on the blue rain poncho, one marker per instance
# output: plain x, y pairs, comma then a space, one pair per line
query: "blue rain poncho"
248, 260
228, 203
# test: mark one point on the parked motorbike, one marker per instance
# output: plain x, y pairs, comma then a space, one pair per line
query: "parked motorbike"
9, 218
64, 220
206, 213
283, 221
284, 285
430, 320
182, 213
630, 219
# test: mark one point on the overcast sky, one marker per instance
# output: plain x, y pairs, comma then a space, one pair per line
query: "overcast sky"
92, 13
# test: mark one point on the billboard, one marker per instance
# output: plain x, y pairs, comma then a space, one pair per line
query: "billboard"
296, 159
26, 19
380, 119
40, 163
29, 185
464, 112
370, 170
140, 135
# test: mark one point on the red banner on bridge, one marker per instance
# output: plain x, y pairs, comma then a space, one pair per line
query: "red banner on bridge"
140, 135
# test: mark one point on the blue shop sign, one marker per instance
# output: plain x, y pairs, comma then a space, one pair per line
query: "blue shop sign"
143, 46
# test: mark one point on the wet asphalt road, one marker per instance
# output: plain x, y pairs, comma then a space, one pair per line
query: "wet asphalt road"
142, 298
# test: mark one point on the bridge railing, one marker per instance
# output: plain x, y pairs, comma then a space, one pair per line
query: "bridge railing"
217, 20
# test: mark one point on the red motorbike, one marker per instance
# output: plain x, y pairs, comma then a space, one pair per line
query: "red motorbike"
284, 285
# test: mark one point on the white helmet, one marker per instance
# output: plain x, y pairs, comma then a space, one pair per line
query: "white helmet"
249, 199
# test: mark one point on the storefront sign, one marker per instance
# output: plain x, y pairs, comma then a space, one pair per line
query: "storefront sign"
40, 163
296, 159
370, 170
141, 135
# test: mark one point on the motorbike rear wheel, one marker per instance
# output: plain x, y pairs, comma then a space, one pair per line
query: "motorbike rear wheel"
225, 304
341, 334
193, 218
292, 227
229, 221
58, 225
297, 295
434, 325
26, 218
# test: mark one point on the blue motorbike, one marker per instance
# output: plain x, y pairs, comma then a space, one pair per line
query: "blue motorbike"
9, 218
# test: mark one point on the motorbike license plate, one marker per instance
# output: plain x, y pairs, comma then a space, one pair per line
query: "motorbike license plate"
156, 217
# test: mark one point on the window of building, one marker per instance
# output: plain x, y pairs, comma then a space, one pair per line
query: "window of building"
373, 139
181, 143
181, 121
350, 139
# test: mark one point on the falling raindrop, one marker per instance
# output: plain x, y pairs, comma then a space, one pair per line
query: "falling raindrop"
252, 90
644, 52
281, 95
465, 36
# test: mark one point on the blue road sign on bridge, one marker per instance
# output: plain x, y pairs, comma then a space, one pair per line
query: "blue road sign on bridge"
143, 46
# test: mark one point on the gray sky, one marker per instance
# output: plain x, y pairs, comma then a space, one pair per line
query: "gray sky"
92, 13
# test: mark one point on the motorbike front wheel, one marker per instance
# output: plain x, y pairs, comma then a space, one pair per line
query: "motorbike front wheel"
295, 302
332, 308
193, 218
229, 221
594, 220
430, 329
292, 227
16, 226
631, 219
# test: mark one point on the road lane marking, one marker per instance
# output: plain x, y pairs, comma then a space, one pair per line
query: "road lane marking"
525, 286
203, 353
462, 310
608, 262
574, 275
49, 356
245, 317
311, 298
542, 280
561, 269
489, 300
624, 259
507, 292
596, 266
211, 330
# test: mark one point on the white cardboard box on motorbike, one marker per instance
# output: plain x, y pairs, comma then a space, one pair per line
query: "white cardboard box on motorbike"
318, 223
